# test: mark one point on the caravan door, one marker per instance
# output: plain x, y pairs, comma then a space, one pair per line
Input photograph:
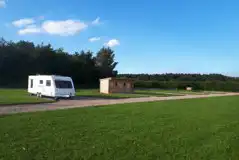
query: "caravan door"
48, 89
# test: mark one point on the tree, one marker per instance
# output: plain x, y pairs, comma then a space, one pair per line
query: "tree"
23, 58
105, 62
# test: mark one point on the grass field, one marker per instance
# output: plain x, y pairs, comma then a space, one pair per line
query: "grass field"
177, 92
137, 93
18, 96
168, 130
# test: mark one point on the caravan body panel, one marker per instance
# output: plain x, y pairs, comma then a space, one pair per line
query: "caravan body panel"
51, 85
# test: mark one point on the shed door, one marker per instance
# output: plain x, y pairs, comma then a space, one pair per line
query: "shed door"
129, 85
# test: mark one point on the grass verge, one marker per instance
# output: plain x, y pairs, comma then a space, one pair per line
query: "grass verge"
136, 94
181, 129
19, 96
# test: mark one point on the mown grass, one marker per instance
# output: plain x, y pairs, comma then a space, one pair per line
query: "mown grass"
18, 96
137, 93
176, 92
168, 130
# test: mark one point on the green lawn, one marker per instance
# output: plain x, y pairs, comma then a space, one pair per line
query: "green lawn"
177, 92
137, 93
18, 96
168, 130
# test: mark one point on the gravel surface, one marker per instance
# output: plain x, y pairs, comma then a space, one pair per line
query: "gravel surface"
65, 104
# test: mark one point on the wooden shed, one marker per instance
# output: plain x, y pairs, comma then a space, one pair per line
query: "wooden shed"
116, 85
189, 88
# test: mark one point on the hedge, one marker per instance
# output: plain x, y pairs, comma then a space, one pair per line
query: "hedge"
203, 85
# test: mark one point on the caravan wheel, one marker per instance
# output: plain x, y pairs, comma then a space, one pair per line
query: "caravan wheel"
39, 95
70, 96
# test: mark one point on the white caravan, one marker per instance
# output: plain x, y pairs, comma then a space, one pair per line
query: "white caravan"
51, 86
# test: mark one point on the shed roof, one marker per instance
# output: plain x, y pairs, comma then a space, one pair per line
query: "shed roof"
118, 79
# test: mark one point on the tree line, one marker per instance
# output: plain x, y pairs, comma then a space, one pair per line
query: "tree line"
179, 77
216, 82
23, 58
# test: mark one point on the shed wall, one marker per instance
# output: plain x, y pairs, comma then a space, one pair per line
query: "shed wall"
119, 86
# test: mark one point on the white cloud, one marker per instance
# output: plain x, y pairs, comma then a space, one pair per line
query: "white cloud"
93, 39
30, 30
41, 18
63, 28
96, 21
2, 3
112, 43
23, 22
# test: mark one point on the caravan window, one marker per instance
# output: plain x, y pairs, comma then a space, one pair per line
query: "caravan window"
48, 82
63, 84
41, 82
31, 83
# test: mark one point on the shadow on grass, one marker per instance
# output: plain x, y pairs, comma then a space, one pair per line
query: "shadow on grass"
26, 103
150, 94
156, 94
96, 97
122, 96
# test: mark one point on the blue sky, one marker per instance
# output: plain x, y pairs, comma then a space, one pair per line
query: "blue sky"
158, 36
